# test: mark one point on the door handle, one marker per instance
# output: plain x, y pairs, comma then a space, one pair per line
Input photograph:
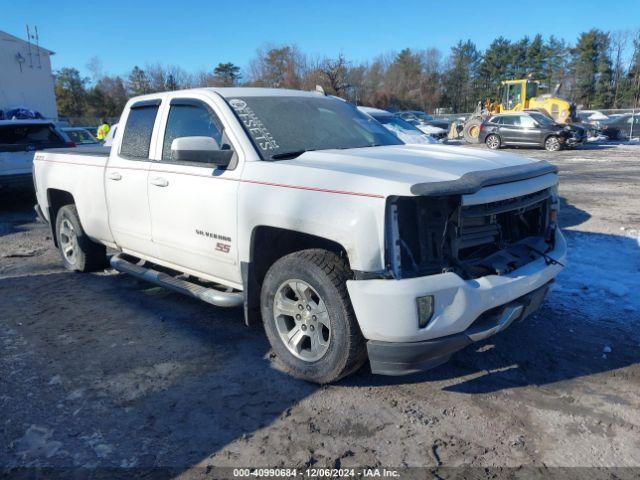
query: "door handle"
159, 182
115, 176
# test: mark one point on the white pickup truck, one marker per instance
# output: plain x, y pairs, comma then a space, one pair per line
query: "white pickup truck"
344, 241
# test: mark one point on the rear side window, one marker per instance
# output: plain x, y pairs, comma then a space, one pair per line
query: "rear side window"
137, 131
496, 120
38, 136
190, 118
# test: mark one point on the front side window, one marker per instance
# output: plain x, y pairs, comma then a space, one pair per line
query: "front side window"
542, 119
527, 122
137, 131
283, 127
190, 119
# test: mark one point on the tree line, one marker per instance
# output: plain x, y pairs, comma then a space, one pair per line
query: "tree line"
601, 70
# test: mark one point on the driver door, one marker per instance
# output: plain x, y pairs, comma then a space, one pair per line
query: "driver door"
193, 204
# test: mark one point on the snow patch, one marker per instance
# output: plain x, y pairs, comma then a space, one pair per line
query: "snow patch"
602, 276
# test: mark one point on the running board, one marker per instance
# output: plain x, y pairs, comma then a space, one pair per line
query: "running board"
209, 295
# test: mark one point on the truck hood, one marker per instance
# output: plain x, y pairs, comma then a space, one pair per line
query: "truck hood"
394, 170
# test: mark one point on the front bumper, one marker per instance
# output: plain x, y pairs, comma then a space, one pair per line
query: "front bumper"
574, 141
388, 358
387, 312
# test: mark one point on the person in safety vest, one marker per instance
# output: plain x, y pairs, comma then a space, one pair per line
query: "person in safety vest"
103, 129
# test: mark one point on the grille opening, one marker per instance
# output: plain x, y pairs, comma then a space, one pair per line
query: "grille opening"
436, 235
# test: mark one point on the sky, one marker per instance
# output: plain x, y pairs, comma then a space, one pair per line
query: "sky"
198, 34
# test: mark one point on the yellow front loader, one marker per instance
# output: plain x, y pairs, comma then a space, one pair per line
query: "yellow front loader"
519, 95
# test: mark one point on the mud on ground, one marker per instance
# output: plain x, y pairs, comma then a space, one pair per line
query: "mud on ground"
102, 370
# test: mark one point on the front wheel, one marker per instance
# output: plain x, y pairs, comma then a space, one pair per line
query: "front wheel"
308, 317
552, 144
493, 142
79, 253
471, 130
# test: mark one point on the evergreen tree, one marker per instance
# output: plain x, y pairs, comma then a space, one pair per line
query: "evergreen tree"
518, 60
556, 65
70, 92
228, 74
492, 70
460, 79
138, 82
535, 57
603, 97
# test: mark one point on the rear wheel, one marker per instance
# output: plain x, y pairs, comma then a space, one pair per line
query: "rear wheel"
492, 141
308, 317
79, 253
552, 144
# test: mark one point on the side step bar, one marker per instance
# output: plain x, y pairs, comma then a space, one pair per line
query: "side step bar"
209, 295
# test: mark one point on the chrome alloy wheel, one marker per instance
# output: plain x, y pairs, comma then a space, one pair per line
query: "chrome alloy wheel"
302, 320
68, 241
493, 142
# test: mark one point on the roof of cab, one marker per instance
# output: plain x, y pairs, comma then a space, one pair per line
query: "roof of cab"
230, 92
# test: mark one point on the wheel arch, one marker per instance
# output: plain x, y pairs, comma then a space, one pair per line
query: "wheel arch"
56, 200
267, 245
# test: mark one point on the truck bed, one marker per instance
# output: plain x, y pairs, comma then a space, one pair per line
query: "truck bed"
91, 151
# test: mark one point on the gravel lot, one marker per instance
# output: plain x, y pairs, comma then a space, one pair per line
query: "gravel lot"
102, 370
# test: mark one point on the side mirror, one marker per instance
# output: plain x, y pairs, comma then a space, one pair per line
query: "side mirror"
201, 150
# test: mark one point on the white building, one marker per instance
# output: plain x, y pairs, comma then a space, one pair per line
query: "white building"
26, 79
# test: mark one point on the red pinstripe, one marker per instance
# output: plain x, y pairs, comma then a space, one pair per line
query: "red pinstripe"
256, 182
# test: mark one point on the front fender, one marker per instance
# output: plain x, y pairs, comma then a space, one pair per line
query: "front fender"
354, 222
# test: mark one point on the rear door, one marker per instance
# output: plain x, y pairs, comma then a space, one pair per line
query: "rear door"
18, 142
193, 205
126, 180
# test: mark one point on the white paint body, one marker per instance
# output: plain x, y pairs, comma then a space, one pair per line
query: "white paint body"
339, 195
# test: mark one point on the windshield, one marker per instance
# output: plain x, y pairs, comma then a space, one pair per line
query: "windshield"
81, 137
284, 127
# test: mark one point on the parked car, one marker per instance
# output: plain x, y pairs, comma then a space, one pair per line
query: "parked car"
591, 120
529, 129
437, 129
19, 139
343, 241
81, 137
621, 126
402, 129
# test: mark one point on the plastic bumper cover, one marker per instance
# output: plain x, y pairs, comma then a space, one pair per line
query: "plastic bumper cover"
389, 358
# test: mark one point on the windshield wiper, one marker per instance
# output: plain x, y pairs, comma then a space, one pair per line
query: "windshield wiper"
288, 155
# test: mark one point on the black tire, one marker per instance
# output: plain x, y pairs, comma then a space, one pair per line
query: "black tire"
493, 141
327, 274
88, 256
552, 144
471, 130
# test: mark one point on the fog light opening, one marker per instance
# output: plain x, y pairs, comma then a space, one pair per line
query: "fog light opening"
425, 310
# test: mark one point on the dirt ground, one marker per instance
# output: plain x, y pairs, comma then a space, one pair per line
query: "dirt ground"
104, 371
